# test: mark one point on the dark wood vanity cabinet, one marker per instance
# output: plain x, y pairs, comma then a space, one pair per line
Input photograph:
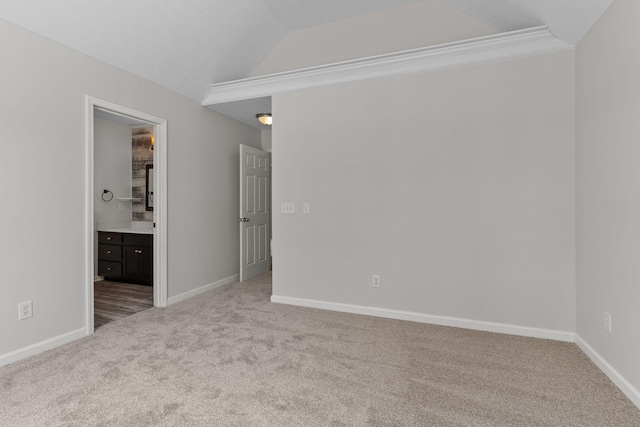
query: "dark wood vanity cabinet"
126, 257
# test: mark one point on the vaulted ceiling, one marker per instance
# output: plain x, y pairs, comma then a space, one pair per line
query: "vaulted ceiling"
188, 45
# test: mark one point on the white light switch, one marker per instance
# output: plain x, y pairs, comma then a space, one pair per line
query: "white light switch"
288, 208
306, 208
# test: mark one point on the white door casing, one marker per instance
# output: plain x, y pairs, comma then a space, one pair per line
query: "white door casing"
254, 212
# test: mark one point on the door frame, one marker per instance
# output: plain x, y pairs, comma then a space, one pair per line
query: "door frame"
160, 287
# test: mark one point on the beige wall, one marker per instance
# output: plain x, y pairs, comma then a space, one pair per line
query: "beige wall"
457, 187
608, 188
425, 23
42, 175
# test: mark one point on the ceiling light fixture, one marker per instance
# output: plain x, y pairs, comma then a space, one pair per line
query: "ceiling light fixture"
264, 118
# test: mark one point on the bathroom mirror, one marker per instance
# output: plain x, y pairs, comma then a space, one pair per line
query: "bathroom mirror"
149, 188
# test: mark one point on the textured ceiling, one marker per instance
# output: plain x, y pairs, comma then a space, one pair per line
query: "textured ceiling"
182, 45
188, 45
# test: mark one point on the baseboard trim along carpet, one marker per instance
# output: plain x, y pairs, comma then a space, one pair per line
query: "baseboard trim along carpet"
192, 293
39, 347
625, 386
433, 320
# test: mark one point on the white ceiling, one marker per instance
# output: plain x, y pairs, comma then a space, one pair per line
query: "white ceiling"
245, 111
188, 45
182, 45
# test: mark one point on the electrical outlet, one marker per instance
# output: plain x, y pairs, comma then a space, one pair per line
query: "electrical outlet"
25, 310
375, 281
306, 208
607, 321
120, 206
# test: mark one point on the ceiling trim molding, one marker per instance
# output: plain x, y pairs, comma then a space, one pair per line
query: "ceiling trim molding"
493, 48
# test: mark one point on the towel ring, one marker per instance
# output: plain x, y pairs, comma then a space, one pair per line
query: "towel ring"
106, 196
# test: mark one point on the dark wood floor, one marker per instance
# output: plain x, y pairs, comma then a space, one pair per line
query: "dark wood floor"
114, 301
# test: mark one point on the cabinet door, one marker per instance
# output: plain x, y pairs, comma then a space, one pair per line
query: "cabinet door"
146, 268
131, 263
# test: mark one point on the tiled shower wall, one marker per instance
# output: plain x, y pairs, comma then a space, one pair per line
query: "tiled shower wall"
141, 156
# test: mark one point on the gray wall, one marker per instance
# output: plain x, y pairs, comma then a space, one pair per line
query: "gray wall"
266, 140
112, 152
42, 171
457, 187
608, 187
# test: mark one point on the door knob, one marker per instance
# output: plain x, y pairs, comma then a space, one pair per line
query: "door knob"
245, 219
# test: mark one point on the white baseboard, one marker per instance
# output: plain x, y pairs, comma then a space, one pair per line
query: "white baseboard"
98, 278
31, 350
625, 386
192, 293
501, 328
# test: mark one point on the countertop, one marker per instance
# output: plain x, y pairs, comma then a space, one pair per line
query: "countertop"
132, 230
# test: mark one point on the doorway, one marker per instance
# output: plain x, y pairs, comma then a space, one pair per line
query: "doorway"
157, 225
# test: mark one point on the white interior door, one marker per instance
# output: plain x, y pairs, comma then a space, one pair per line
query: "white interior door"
254, 212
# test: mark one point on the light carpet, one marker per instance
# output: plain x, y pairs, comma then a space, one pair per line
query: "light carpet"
230, 357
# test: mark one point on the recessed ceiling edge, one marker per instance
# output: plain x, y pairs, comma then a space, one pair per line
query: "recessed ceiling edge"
493, 48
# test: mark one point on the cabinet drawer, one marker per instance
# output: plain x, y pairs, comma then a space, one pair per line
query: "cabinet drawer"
106, 237
109, 269
110, 252
138, 240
